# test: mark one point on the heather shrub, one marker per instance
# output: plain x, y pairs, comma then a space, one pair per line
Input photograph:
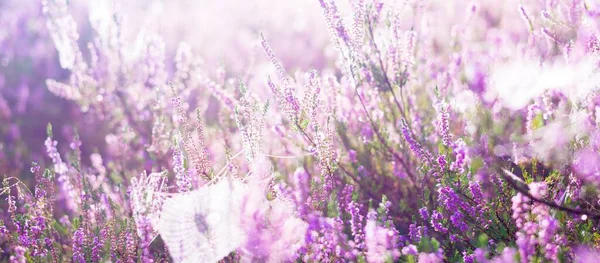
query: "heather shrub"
348, 131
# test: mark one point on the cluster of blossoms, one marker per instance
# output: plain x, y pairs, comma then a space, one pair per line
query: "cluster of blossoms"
372, 131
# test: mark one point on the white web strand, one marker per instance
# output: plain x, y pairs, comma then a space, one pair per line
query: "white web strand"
203, 225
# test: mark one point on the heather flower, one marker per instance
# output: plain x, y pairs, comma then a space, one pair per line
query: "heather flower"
356, 224
457, 221
441, 161
424, 213
410, 250
146, 201
414, 233
462, 157
19, 255
59, 166
130, 246
430, 258
380, 243
436, 222
443, 122
69, 190
182, 177
284, 95
538, 189
399, 170
586, 165
352, 155
476, 192
415, 147
520, 208
12, 204
78, 243
507, 256
468, 258
584, 254
302, 191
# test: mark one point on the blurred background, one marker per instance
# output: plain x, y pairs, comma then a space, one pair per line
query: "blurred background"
219, 33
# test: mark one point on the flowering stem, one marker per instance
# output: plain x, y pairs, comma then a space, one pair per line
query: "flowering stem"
551, 204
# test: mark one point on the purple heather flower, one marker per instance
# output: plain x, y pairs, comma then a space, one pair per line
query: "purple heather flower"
366, 133
302, 190
97, 245
436, 222
476, 192
398, 170
424, 213
414, 234
352, 156
468, 258
78, 241
441, 161
423, 155
457, 220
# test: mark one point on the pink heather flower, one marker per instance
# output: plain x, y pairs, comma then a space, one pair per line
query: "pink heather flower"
584, 255
59, 166
507, 256
19, 255
443, 124
410, 250
520, 209
538, 189
462, 156
430, 257
587, 165
146, 198
12, 204
380, 243
182, 177
68, 189
356, 224
526, 18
